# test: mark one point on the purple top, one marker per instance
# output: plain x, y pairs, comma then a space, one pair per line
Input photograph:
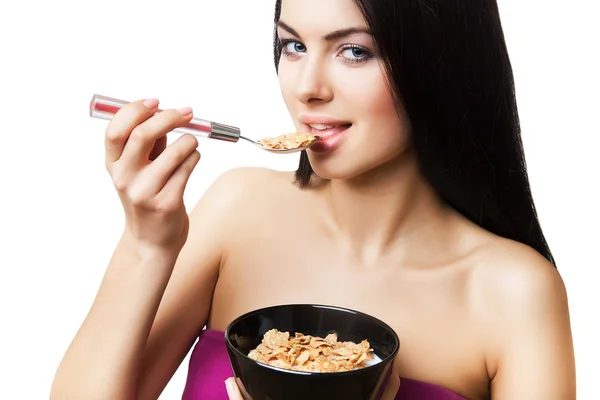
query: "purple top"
209, 368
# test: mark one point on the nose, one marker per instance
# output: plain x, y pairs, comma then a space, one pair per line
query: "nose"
314, 85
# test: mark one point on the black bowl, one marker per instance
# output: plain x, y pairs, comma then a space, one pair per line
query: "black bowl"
259, 381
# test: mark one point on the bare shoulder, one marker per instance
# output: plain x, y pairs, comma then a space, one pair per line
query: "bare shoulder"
522, 301
240, 190
241, 182
516, 280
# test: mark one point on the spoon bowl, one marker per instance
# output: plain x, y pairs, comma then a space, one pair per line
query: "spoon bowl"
281, 151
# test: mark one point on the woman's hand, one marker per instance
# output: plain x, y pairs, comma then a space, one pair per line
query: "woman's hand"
393, 385
150, 178
233, 390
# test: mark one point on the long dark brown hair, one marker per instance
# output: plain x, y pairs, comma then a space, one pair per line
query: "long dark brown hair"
448, 68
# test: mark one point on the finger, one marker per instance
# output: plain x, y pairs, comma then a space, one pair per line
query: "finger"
123, 122
233, 392
392, 387
159, 147
144, 136
176, 184
164, 167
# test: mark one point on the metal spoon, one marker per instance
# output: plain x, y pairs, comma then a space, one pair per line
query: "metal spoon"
104, 107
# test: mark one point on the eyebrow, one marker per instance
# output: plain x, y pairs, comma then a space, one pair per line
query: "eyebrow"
335, 35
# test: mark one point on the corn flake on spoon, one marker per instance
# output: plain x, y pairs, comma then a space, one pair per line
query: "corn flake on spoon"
104, 107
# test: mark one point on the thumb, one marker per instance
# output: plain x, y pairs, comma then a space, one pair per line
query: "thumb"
233, 392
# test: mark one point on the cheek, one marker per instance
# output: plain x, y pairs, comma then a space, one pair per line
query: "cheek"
373, 107
371, 97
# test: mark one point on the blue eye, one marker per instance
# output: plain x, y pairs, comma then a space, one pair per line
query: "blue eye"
355, 53
292, 46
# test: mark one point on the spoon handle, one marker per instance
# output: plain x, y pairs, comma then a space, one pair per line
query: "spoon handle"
104, 107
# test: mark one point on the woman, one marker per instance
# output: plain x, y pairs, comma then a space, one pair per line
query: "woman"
415, 208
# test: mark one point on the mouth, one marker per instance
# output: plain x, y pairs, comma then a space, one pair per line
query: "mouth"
323, 128
322, 125
331, 137
326, 131
330, 130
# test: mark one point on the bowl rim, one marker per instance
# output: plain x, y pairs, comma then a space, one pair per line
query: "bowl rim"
305, 373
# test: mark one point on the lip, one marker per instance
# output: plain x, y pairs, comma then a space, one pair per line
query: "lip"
330, 138
307, 119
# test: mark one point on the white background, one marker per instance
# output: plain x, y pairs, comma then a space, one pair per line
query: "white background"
59, 215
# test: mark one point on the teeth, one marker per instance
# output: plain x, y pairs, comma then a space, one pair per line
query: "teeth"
321, 127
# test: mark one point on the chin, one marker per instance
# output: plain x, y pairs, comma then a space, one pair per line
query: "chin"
335, 173
339, 168
336, 166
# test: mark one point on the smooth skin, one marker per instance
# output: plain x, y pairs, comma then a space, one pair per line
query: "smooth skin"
478, 314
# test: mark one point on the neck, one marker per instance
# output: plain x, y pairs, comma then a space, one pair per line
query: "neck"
390, 206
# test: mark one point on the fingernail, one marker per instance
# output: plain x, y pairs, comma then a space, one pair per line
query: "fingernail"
151, 104
185, 111
229, 387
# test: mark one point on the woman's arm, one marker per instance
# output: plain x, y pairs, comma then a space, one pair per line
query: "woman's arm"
535, 356
157, 289
145, 319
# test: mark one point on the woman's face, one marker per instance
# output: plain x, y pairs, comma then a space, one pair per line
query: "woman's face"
334, 85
